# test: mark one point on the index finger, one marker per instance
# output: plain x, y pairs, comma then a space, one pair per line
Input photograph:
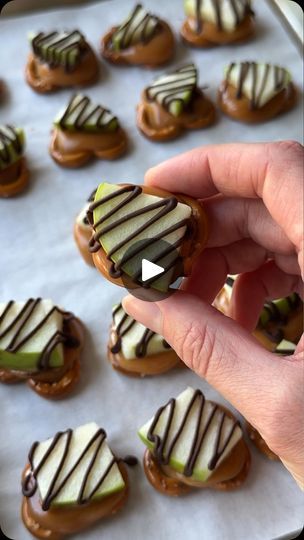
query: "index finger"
271, 171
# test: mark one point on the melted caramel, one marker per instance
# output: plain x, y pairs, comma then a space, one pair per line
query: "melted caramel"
159, 125
259, 442
82, 237
14, 179
73, 149
57, 522
211, 35
292, 330
239, 109
43, 79
57, 389
148, 365
158, 50
230, 474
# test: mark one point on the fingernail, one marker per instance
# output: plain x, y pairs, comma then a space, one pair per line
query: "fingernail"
148, 313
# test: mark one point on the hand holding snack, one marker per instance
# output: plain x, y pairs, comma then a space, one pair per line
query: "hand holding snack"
252, 196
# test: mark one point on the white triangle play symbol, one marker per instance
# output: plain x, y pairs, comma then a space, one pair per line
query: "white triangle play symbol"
149, 270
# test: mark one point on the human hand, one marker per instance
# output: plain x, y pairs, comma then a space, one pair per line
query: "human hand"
253, 196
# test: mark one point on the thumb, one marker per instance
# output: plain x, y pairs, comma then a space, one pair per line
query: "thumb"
216, 348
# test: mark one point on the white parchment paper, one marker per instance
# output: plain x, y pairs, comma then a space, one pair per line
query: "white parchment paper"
38, 257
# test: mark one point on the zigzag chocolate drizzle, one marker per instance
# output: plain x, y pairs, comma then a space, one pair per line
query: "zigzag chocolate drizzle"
59, 48
185, 79
273, 312
165, 206
81, 105
89, 200
129, 28
240, 9
9, 136
30, 483
124, 327
285, 352
160, 443
247, 69
23, 317
230, 281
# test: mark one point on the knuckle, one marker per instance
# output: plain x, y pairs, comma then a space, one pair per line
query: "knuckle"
291, 148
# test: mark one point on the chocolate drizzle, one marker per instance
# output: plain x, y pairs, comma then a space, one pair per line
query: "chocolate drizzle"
275, 314
131, 461
239, 8
124, 326
285, 352
163, 451
84, 116
60, 48
9, 139
251, 71
165, 206
169, 89
91, 198
140, 27
279, 310
23, 318
30, 482
230, 281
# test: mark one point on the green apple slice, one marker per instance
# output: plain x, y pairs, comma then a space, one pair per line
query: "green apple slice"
226, 14
83, 115
12, 141
281, 307
71, 483
58, 48
228, 431
286, 347
174, 90
258, 82
119, 235
139, 27
133, 333
26, 358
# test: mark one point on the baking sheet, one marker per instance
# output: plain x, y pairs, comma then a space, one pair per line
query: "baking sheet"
38, 257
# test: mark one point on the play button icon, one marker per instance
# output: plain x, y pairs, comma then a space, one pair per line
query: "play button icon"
150, 270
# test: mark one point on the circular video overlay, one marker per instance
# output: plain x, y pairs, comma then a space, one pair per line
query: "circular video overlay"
152, 269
